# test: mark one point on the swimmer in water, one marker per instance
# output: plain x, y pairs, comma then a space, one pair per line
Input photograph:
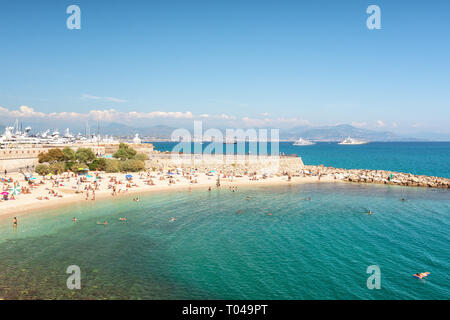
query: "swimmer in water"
269, 213
248, 198
172, 219
104, 222
403, 199
239, 211
308, 199
370, 212
123, 219
74, 219
15, 222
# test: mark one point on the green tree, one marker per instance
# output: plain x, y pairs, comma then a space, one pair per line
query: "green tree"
76, 166
124, 152
57, 167
85, 155
42, 169
131, 165
69, 154
98, 164
112, 165
52, 155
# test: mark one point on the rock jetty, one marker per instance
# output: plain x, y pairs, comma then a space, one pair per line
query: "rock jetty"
377, 176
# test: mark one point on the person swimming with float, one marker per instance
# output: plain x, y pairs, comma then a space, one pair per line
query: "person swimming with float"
123, 219
421, 275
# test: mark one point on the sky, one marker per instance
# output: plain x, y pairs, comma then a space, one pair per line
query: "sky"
237, 63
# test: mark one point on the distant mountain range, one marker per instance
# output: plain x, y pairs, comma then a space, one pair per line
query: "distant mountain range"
340, 132
320, 133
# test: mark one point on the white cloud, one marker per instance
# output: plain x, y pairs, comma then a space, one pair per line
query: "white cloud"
380, 124
104, 115
110, 99
259, 122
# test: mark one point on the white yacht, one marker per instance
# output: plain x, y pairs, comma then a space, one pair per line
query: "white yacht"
353, 141
15, 136
303, 142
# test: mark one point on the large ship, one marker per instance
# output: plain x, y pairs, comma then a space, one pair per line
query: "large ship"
303, 142
353, 141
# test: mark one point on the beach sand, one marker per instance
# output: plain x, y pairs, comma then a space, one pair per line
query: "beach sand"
67, 188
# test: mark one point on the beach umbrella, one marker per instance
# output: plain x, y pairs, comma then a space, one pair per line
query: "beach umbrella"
15, 190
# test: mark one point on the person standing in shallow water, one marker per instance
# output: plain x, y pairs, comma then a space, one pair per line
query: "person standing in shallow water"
15, 222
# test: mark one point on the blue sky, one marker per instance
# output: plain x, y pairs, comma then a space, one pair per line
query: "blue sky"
242, 63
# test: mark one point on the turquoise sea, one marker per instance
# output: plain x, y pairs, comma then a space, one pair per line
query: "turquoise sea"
317, 249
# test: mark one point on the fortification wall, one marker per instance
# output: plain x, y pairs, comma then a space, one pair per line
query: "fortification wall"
226, 162
12, 159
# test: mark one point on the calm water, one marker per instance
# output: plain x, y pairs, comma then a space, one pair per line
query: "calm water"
318, 249
428, 158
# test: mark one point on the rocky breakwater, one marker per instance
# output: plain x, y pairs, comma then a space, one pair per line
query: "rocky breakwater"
377, 176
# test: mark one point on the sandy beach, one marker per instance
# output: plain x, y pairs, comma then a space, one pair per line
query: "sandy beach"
66, 189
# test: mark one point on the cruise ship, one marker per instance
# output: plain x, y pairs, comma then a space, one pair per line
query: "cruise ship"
303, 142
353, 141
